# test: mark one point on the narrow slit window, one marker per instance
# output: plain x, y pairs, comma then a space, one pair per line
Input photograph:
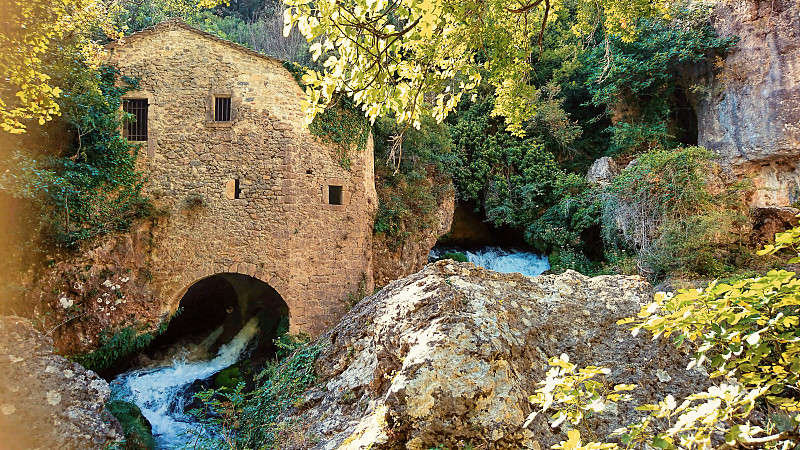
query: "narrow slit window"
237, 191
135, 129
335, 195
222, 109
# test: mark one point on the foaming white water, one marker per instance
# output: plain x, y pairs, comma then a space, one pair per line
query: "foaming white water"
157, 391
502, 260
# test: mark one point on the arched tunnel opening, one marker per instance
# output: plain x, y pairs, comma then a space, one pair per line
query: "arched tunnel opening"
218, 307
220, 340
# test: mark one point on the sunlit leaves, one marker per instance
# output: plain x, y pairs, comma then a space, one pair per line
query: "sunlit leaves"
745, 332
390, 55
574, 394
30, 31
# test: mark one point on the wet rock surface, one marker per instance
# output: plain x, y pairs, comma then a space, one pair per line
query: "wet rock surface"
449, 356
47, 401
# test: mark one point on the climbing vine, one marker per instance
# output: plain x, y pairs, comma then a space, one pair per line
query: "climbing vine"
342, 125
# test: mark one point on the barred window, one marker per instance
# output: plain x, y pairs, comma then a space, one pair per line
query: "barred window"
136, 128
222, 109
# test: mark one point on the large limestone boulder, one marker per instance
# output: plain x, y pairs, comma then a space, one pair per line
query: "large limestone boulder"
751, 117
449, 356
46, 401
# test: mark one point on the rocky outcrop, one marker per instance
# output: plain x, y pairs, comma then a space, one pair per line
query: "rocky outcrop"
751, 117
770, 220
449, 356
46, 401
105, 285
401, 254
603, 170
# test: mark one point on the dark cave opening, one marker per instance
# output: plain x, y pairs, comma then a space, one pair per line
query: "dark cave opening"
684, 119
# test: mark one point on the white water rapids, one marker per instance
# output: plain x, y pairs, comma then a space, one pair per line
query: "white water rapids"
501, 260
157, 391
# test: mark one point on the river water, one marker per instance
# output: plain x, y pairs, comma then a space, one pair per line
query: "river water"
507, 260
159, 391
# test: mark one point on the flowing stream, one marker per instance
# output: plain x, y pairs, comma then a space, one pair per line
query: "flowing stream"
160, 391
500, 259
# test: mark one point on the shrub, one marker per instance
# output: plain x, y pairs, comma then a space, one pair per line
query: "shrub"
664, 208
119, 344
91, 187
642, 74
455, 256
251, 420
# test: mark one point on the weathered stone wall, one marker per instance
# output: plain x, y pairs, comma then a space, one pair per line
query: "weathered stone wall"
280, 229
752, 116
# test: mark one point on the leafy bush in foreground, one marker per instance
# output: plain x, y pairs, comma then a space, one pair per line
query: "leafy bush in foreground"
747, 332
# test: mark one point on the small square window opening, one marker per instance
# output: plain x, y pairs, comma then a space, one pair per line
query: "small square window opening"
335, 195
222, 109
135, 129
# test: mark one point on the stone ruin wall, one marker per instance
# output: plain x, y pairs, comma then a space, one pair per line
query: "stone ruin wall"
281, 229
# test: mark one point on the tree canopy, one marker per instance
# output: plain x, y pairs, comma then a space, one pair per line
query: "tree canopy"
412, 57
31, 33
34, 32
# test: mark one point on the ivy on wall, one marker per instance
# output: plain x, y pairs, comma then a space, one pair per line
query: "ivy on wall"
342, 125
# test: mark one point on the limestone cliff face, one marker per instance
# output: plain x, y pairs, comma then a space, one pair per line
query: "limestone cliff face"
449, 356
46, 401
752, 116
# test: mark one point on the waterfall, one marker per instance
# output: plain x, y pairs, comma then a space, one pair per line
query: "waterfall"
158, 391
501, 260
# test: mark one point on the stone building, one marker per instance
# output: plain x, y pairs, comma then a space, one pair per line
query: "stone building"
249, 194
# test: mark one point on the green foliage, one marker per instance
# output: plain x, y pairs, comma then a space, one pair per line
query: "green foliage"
455, 256
562, 225
575, 395
250, 420
341, 124
664, 209
412, 173
34, 35
641, 73
746, 332
138, 431
94, 188
135, 15
410, 59
407, 150
119, 344
227, 379
407, 203
566, 257
516, 180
